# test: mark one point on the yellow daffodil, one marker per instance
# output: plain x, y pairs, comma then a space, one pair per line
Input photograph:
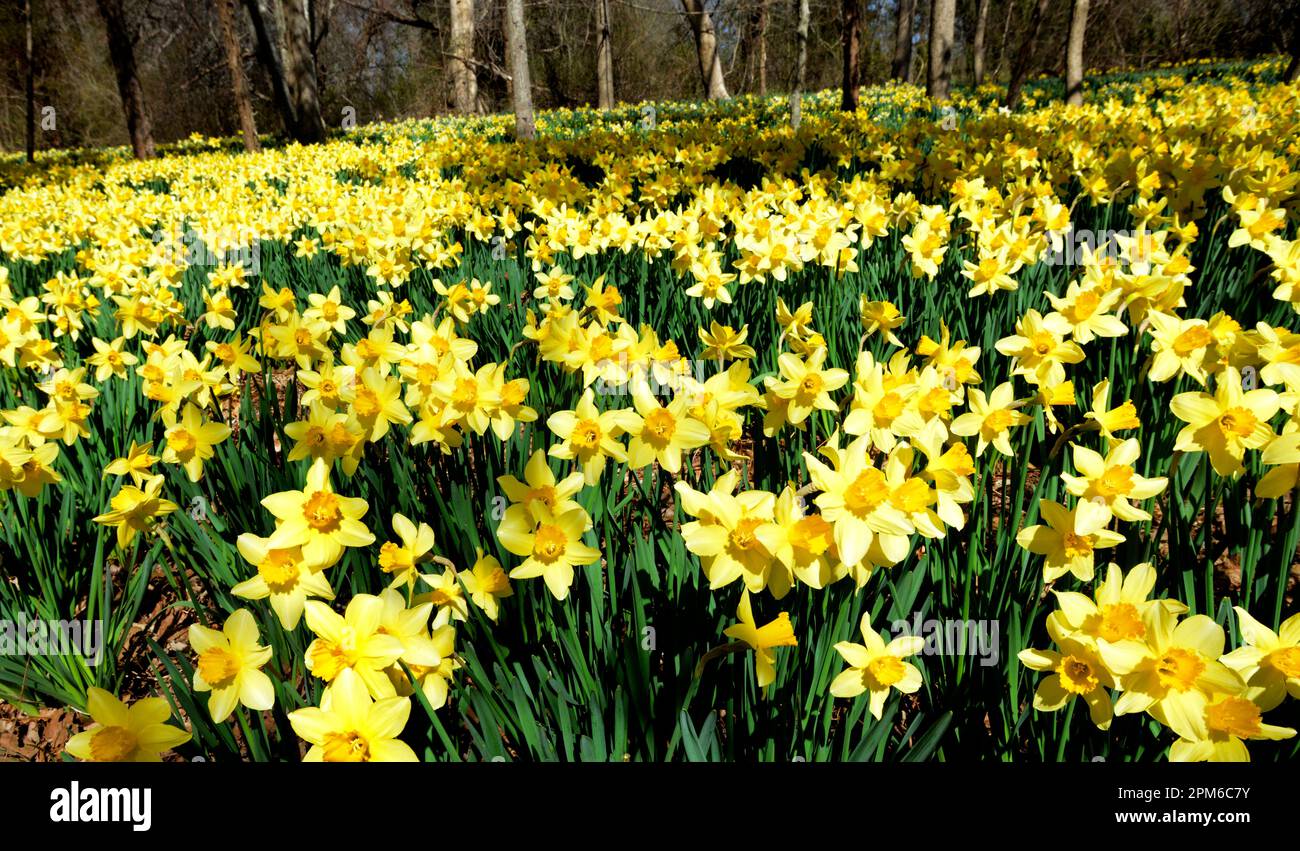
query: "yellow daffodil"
762, 639
540, 487
228, 666
1217, 731
722, 342
1117, 610
318, 520
1269, 661
1170, 674
121, 733
551, 545
134, 510
734, 537
401, 560
991, 418
138, 463
1226, 424
877, 667
486, 583
351, 727
1075, 671
589, 436
806, 386
1110, 420
190, 440
1282, 456
663, 432
283, 577
352, 641
1111, 481
1069, 539
446, 596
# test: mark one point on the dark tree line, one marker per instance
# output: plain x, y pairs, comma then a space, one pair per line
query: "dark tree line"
85, 73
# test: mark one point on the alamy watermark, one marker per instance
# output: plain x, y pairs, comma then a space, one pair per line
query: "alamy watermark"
231, 247
25, 636
1073, 247
662, 378
953, 637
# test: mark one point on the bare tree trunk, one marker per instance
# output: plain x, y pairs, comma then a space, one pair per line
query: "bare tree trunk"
903, 40
943, 23
852, 13
464, 82
235, 64
762, 47
800, 62
300, 71
31, 83
1006, 30
138, 124
977, 49
284, 44
706, 46
1023, 61
1074, 54
604, 57
521, 86
750, 46
269, 54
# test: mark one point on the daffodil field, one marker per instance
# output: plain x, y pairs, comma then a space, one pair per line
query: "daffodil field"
915, 433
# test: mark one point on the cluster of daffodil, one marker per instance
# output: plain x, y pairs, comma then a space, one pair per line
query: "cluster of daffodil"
1175, 670
1167, 664
906, 431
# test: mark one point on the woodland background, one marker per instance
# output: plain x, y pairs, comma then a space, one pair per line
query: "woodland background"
176, 66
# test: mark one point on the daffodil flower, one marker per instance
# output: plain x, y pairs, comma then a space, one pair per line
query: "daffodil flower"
352, 641
401, 560
1111, 481
1268, 661
1181, 347
877, 667
804, 543
1116, 611
734, 537
722, 342
283, 576
541, 488
318, 520
190, 440
1110, 420
135, 510
550, 544
663, 432
1217, 731
589, 436
1282, 456
1226, 424
1075, 671
762, 639
991, 418
1172, 671
228, 666
137, 464
487, 583
1069, 539
351, 727
806, 385
138, 733
446, 596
